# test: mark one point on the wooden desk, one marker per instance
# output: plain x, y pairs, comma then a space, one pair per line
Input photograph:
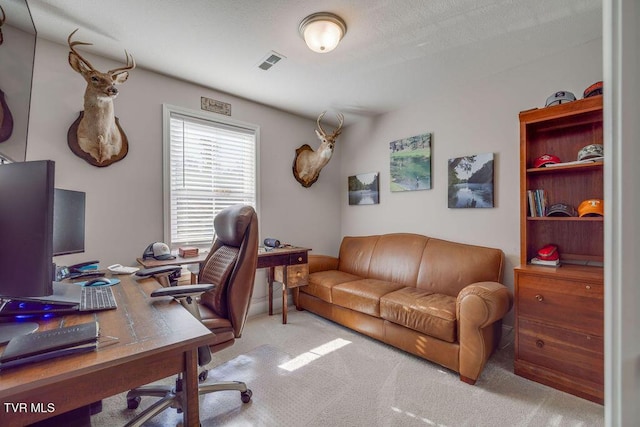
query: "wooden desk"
157, 338
286, 265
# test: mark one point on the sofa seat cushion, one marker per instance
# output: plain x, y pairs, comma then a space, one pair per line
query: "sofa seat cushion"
423, 311
321, 283
363, 295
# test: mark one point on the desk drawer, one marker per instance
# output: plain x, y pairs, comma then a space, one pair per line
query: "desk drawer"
297, 275
564, 303
575, 354
300, 258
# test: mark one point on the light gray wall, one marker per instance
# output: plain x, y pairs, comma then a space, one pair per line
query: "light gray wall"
124, 200
465, 119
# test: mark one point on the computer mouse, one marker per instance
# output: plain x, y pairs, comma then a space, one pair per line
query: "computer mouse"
98, 281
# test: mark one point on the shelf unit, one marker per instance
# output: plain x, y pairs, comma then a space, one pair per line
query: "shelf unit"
559, 312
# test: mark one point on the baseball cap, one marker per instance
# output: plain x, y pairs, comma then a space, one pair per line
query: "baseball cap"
562, 209
593, 90
591, 151
546, 159
591, 207
548, 253
560, 97
159, 251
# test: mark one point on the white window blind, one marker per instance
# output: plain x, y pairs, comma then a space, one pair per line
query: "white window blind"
211, 165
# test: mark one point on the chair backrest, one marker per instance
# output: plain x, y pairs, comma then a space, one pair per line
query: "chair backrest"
231, 265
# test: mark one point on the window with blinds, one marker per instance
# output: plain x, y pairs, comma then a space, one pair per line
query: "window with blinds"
209, 164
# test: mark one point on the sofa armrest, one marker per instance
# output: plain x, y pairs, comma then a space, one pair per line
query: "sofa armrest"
483, 303
322, 263
480, 308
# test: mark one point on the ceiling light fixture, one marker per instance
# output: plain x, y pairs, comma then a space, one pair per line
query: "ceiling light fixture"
322, 31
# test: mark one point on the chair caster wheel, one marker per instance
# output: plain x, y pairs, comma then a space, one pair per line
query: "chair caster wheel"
202, 376
134, 402
246, 396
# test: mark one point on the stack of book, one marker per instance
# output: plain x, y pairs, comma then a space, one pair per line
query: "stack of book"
188, 251
548, 263
39, 346
537, 202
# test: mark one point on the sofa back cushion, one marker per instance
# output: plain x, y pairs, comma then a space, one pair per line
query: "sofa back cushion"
447, 267
391, 257
396, 258
355, 254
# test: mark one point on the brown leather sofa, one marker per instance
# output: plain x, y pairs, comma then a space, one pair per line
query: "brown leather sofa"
440, 300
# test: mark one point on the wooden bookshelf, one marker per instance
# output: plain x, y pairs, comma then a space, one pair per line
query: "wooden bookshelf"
559, 311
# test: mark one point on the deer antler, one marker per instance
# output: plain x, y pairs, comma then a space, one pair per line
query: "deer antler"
72, 46
335, 132
131, 64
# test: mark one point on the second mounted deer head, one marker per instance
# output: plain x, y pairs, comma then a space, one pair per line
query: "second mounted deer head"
96, 136
308, 163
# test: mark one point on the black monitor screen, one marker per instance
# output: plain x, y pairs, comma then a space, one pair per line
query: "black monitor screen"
68, 222
26, 228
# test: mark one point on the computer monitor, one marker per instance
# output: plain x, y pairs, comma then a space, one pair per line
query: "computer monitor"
26, 229
68, 222
26, 235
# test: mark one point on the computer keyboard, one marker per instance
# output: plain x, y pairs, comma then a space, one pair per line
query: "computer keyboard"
96, 298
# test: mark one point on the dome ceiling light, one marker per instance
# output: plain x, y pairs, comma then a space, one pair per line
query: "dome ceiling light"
322, 31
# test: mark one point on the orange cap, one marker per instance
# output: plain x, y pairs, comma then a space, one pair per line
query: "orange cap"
591, 207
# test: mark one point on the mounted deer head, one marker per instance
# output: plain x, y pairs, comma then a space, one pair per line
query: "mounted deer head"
96, 136
308, 163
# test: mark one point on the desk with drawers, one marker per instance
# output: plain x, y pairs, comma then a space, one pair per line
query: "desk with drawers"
287, 266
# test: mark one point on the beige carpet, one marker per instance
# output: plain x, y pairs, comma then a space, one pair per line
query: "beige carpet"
312, 372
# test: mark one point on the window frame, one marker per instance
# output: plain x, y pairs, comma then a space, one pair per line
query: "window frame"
167, 110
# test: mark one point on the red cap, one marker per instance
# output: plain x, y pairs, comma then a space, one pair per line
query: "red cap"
548, 253
546, 159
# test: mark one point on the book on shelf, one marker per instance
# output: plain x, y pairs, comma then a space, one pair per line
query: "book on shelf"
48, 344
538, 202
548, 263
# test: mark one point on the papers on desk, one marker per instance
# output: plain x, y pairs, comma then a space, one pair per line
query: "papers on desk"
39, 346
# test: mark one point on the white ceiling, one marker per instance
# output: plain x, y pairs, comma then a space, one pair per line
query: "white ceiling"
394, 52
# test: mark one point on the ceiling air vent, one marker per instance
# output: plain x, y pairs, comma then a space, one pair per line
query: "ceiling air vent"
270, 60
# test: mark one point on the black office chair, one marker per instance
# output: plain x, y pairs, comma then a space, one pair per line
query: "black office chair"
229, 271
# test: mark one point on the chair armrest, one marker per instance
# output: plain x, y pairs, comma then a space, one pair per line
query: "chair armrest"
182, 291
322, 263
158, 270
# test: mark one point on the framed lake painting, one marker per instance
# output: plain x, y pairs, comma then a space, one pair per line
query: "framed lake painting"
410, 163
471, 181
364, 189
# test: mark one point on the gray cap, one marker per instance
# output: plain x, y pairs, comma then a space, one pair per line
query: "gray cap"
560, 97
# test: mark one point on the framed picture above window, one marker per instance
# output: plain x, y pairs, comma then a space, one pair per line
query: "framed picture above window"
210, 163
410, 163
364, 189
471, 181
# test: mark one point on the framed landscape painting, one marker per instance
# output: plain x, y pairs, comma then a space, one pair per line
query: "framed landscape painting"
471, 181
410, 163
364, 189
